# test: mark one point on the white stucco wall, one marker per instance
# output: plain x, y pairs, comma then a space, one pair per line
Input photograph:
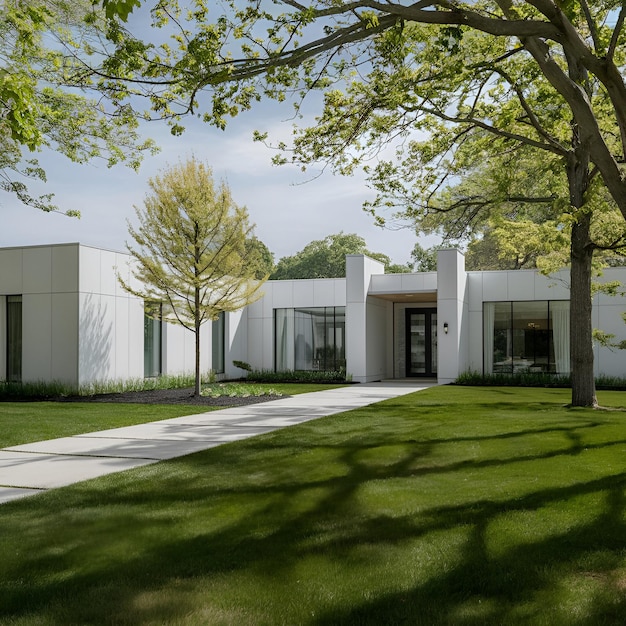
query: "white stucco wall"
528, 285
452, 309
79, 325
46, 278
283, 294
366, 341
513, 285
110, 319
607, 316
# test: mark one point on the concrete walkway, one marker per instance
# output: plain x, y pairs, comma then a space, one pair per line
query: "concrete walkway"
34, 467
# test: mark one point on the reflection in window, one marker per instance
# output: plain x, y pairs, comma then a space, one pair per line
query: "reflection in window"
217, 344
310, 338
526, 337
152, 322
14, 338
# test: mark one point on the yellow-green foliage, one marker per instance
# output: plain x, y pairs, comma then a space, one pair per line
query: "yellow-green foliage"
190, 251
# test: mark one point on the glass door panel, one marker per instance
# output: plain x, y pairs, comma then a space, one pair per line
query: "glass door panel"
421, 342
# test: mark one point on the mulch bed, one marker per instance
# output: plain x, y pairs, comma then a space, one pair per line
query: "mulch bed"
156, 396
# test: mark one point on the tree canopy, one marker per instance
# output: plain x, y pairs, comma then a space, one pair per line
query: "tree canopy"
44, 101
192, 252
250, 49
326, 258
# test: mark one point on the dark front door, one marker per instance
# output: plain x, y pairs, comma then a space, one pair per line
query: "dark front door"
421, 342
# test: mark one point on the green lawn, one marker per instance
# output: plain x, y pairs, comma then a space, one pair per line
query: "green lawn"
448, 506
25, 422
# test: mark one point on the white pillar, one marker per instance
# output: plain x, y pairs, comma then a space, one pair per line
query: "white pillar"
452, 308
363, 340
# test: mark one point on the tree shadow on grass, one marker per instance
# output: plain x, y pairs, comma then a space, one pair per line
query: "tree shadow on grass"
265, 509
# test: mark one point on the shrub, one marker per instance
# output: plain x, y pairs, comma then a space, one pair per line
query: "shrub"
532, 379
45, 390
297, 376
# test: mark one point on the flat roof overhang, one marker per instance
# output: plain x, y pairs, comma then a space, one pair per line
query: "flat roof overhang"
419, 296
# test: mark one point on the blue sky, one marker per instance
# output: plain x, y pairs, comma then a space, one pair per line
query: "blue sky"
288, 211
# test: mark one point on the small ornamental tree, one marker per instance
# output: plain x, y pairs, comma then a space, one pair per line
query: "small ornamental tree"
190, 250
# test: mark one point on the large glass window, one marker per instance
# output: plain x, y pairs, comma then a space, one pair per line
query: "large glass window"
14, 338
310, 338
217, 344
152, 323
526, 337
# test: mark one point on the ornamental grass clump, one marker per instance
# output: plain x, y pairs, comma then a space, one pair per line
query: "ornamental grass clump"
237, 390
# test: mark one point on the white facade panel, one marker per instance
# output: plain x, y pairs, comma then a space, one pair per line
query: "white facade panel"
495, 286
340, 292
521, 285
96, 348
412, 283
255, 309
256, 344
475, 290
89, 270
278, 295
11, 275
303, 293
236, 342
65, 269
37, 270
135, 338
108, 280
37, 337
324, 292
376, 339
554, 287
385, 283
122, 339
475, 346
64, 331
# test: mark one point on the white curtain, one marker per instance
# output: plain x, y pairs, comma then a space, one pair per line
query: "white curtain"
304, 339
559, 310
489, 316
285, 357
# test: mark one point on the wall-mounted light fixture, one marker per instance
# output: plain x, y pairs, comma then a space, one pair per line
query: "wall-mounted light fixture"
445, 328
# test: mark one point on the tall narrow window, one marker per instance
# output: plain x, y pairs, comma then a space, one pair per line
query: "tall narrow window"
14, 338
217, 343
152, 361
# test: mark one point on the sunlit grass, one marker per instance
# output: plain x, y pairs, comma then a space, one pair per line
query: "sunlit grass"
25, 422
448, 506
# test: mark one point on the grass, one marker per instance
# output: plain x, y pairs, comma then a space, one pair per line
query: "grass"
25, 422
454, 505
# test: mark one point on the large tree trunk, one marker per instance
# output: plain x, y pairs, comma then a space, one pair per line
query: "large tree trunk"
581, 253
581, 327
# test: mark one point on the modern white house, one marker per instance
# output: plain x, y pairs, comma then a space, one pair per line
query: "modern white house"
65, 317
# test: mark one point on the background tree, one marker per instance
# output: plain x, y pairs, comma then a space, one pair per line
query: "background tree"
326, 258
43, 104
192, 252
261, 257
